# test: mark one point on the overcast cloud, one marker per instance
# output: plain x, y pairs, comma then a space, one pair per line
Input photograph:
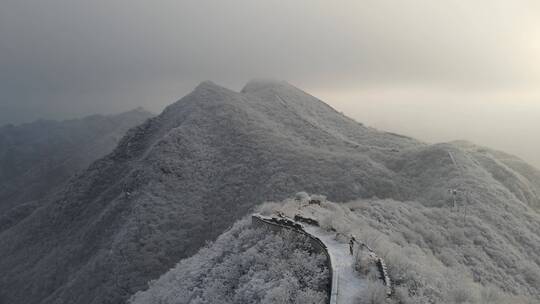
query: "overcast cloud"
438, 70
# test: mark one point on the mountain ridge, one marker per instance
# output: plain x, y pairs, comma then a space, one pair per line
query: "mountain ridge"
40, 156
184, 176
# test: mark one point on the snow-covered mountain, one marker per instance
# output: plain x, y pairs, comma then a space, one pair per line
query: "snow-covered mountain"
246, 265
471, 254
36, 158
183, 177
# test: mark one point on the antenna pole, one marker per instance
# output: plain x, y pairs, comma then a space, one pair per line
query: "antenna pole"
465, 201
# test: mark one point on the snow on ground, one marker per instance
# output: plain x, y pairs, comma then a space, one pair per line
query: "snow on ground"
349, 283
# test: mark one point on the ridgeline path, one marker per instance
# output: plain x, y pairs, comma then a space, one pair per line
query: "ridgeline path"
349, 284
346, 282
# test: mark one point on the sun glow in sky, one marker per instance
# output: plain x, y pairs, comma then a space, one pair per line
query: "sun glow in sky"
438, 70
509, 121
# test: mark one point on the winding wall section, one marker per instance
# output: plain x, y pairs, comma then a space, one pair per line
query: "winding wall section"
334, 261
262, 221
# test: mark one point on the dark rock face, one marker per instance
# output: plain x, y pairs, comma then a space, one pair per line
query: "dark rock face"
183, 177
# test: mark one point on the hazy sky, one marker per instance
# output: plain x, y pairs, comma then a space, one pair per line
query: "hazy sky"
437, 70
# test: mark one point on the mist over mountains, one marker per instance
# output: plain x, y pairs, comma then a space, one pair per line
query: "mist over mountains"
37, 158
181, 178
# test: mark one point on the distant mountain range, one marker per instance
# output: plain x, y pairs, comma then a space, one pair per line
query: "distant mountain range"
183, 177
37, 158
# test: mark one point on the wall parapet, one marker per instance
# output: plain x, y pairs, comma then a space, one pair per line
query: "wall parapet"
279, 224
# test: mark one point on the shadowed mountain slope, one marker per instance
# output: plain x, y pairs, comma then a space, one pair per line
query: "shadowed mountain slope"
183, 177
36, 158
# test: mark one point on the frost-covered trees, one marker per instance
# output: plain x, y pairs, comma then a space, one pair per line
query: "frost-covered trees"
36, 158
433, 255
245, 265
374, 293
185, 176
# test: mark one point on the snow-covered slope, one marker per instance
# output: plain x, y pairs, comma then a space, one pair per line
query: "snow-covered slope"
433, 255
185, 176
36, 158
246, 265
436, 254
